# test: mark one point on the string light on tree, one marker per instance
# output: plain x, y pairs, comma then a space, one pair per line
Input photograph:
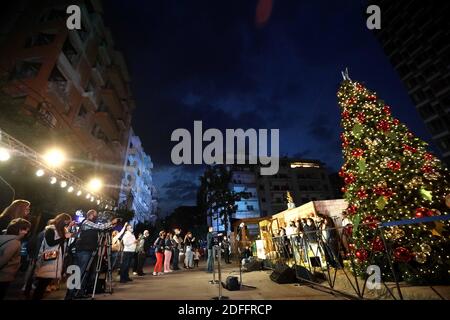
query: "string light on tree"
389, 175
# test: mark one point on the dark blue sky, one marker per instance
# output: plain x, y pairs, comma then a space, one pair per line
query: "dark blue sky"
208, 60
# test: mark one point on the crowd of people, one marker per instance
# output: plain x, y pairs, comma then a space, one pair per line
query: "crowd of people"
311, 241
64, 242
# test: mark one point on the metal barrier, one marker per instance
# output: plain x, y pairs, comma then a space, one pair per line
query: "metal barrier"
327, 259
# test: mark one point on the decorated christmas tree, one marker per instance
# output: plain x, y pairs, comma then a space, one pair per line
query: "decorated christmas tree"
390, 176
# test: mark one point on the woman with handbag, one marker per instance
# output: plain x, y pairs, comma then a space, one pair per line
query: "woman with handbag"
49, 265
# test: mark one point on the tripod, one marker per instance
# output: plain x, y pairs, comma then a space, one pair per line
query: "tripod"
103, 249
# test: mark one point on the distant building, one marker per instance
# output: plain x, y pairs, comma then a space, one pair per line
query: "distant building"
137, 191
415, 37
75, 83
306, 180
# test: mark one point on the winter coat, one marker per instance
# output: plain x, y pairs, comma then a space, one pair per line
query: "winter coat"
51, 269
9, 257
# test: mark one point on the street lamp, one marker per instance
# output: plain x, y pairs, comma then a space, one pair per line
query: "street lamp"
79, 193
70, 189
63, 184
4, 155
55, 158
40, 173
95, 184
53, 180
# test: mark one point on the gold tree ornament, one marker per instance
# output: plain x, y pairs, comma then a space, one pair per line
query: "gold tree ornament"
420, 257
425, 247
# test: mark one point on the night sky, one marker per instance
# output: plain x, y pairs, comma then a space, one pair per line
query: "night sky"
212, 61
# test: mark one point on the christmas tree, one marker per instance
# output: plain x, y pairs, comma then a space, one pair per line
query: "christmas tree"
390, 176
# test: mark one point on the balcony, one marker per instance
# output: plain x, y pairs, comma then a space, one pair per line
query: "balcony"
82, 123
113, 102
107, 123
97, 74
59, 89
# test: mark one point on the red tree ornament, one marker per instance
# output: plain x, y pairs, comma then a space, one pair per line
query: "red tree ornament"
343, 189
387, 110
409, 148
424, 212
352, 209
349, 178
345, 114
428, 156
361, 117
383, 125
396, 122
357, 152
371, 222
402, 254
362, 194
377, 244
394, 165
372, 97
362, 254
427, 169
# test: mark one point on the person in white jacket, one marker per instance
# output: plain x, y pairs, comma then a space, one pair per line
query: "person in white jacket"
129, 247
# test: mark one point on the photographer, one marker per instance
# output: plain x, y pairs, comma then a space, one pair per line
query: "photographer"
87, 243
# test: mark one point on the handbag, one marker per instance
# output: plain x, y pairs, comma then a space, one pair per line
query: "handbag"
50, 255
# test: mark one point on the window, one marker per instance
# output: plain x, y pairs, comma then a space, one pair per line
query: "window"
263, 199
103, 108
436, 126
250, 208
99, 134
70, 52
445, 143
261, 187
25, 69
83, 112
40, 39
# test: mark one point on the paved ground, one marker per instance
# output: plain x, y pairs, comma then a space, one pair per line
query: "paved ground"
194, 285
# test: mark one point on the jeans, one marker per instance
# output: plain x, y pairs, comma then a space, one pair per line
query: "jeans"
176, 255
81, 260
125, 267
210, 262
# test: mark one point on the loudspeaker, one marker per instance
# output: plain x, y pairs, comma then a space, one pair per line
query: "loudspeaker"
283, 274
303, 274
232, 283
253, 265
